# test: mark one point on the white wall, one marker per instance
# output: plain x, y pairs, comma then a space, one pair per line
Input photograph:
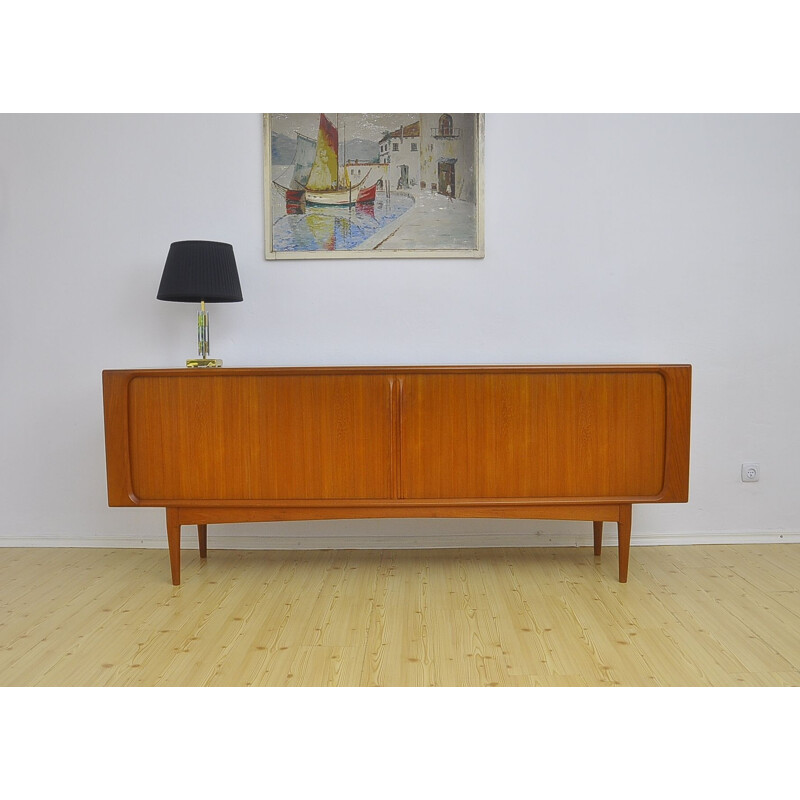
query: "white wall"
608, 238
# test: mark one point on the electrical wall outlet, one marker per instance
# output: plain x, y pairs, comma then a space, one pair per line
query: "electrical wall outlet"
750, 473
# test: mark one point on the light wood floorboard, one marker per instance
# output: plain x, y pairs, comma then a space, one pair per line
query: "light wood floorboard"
696, 615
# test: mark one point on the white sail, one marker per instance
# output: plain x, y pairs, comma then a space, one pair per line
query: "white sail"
303, 161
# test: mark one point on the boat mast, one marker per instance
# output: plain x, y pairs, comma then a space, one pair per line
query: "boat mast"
347, 180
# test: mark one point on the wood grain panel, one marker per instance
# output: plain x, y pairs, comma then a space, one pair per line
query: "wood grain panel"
259, 437
533, 434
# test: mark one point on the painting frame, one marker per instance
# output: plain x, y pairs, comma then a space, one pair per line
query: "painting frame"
434, 209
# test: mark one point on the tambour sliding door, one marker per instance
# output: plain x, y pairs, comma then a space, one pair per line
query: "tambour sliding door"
536, 434
254, 437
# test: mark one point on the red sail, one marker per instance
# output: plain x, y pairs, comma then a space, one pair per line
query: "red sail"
330, 135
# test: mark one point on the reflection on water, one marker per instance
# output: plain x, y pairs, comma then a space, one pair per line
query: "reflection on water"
334, 228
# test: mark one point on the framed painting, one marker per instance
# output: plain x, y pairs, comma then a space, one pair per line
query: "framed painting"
373, 185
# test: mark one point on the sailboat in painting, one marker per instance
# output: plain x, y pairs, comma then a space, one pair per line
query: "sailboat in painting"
317, 179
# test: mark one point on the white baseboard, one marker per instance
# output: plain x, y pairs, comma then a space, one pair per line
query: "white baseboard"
400, 542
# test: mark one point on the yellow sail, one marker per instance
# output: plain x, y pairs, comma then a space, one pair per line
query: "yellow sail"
325, 168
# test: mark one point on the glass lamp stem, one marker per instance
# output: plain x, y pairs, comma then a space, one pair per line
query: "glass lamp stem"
202, 331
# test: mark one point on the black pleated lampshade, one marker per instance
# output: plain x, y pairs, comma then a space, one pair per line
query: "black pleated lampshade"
198, 271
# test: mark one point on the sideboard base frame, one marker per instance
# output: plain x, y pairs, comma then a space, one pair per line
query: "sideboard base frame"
202, 517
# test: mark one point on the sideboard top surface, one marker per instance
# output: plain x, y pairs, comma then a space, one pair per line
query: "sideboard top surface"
400, 369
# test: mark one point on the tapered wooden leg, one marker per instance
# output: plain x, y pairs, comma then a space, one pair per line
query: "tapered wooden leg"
598, 536
624, 533
174, 542
202, 538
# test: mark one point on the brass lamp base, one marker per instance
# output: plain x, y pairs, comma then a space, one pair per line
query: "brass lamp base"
204, 362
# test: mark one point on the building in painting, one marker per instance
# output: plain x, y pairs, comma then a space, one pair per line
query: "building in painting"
400, 149
368, 172
435, 154
447, 155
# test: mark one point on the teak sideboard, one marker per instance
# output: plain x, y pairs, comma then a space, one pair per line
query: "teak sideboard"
265, 444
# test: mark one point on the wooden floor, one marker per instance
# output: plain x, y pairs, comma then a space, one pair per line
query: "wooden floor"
689, 616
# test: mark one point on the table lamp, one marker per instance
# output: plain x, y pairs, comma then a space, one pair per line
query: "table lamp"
201, 272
